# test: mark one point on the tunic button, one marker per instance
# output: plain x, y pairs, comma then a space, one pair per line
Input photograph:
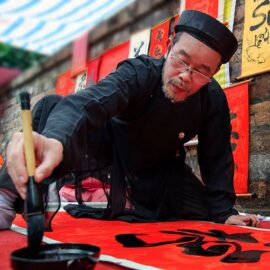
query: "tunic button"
181, 135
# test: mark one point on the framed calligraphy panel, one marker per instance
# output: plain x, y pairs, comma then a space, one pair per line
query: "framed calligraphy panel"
256, 38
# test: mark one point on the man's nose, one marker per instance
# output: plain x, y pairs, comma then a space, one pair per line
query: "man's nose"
185, 75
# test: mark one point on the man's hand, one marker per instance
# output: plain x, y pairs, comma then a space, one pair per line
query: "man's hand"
48, 152
243, 220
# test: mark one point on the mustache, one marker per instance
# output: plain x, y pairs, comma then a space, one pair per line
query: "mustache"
179, 84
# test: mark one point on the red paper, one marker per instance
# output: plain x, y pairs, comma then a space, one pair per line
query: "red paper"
175, 245
92, 71
111, 58
64, 84
237, 97
1, 161
209, 6
79, 55
159, 36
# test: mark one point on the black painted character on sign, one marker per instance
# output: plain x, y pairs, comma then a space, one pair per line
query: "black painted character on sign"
258, 52
194, 243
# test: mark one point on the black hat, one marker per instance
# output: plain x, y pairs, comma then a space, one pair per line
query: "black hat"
208, 30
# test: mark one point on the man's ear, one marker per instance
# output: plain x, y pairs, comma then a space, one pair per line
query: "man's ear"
169, 44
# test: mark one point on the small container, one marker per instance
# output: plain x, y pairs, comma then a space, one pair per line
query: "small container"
56, 257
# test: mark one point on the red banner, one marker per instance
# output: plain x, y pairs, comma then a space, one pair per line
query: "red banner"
92, 71
176, 18
210, 6
159, 37
237, 97
79, 55
175, 245
64, 84
111, 58
1, 161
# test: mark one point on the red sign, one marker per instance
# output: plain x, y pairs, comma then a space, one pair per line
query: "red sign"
237, 97
79, 55
172, 245
159, 37
209, 6
92, 71
176, 18
111, 58
1, 161
64, 84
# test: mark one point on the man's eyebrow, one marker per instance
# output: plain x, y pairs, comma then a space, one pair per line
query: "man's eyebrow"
203, 66
184, 53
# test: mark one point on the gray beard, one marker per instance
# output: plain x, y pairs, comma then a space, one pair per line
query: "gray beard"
170, 97
167, 94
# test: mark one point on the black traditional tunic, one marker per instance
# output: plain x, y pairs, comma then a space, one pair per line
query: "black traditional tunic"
125, 120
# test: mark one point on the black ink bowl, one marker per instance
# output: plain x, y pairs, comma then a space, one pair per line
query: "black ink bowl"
56, 257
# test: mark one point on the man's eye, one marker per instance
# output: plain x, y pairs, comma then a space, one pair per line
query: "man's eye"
199, 72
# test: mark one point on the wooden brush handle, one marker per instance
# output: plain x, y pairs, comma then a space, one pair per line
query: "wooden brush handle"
27, 133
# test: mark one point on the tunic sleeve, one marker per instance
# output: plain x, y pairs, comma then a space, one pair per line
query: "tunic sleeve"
215, 154
77, 115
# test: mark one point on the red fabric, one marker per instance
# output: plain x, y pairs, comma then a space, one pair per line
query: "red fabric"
209, 6
237, 97
93, 191
64, 84
159, 36
265, 224
79, 55
111, 58
92, 71
1, 161
169, 255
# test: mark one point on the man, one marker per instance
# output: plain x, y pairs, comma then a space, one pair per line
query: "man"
136, 121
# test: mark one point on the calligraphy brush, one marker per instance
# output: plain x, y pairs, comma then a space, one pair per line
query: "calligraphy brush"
34, 205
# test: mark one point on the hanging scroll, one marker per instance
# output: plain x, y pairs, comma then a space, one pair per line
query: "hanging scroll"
256, 38
237, 97
223, 75
111, 58
79, 55
64, 84
215, 8
92, 71
159, 37
139, 43
229, 11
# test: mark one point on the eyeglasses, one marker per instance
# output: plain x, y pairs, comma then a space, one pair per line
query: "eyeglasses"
183, 67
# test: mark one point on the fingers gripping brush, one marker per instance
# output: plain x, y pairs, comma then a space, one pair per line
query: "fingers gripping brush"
34, 206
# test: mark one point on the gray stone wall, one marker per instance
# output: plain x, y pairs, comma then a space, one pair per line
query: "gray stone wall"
40, 81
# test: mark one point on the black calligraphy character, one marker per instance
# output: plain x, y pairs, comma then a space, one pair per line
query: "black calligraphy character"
137, 50
194, 243
261, 15
158, 51
91, 78
234, 134
160, 35
259, 51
